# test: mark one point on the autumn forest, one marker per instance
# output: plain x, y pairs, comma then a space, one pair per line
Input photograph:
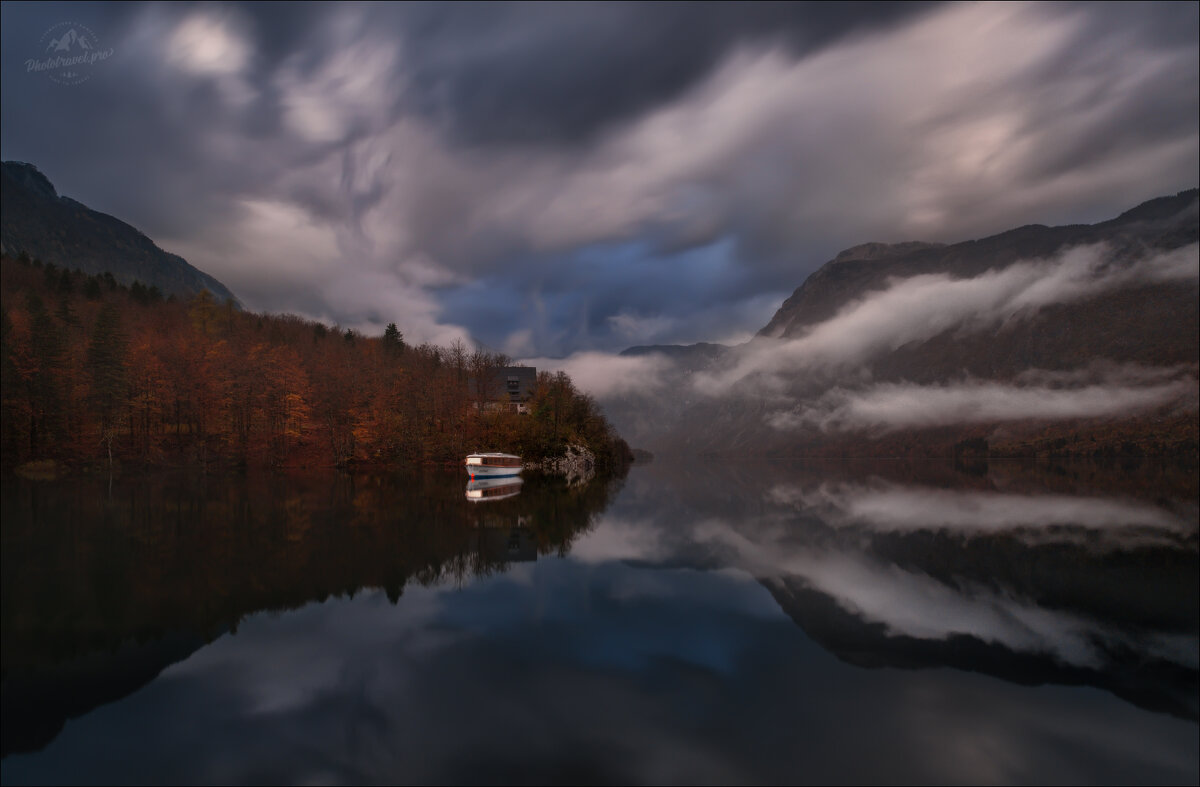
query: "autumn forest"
96, 373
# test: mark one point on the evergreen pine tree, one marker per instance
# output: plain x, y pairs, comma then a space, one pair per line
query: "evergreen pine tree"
393, 340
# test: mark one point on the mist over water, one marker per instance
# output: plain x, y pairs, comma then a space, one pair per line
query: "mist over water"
959, 347
818, 622
745, 232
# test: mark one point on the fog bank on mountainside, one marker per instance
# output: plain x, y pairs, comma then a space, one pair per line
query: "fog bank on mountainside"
1077, 340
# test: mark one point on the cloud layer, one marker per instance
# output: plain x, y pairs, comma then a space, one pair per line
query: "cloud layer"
612, 175
890, 406
604, 376
921, 307
889, 508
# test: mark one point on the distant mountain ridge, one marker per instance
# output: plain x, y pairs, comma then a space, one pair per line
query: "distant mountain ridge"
1144, 322
1165, 222
39, 222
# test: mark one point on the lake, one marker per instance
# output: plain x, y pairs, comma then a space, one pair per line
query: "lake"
854, 622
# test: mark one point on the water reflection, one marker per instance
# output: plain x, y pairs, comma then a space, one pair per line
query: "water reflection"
490, 489
102, 591
1026, 578
766, 623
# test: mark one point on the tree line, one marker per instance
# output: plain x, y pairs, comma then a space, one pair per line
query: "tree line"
95, 371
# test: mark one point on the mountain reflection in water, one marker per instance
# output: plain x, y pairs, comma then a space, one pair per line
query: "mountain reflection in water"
675, 626
1011, 576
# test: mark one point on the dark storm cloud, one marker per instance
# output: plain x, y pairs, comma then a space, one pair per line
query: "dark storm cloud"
370, 163
149, 137
533, 74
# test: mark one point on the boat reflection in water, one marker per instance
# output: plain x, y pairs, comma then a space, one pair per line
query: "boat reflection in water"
886, 621
490, 489
502, 535
268, 543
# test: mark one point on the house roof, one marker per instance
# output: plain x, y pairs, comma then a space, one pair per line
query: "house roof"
509, 384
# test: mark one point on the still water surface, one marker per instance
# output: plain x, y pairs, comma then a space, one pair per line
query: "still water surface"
879, 622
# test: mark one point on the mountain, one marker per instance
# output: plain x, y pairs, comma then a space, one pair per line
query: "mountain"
56, 229
687, 356
1077, 339
1163, 223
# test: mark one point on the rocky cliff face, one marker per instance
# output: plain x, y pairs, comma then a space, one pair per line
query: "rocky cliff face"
39, 222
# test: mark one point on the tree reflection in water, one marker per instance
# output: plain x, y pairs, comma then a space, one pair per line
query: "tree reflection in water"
998, 622
104, 588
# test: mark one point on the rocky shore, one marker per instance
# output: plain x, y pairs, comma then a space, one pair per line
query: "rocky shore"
577, 465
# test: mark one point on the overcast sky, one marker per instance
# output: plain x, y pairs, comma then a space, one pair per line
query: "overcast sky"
548, 179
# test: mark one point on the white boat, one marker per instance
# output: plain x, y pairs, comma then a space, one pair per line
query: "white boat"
488, 489
493, 465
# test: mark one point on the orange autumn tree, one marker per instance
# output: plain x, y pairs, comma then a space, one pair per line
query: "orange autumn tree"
95, 372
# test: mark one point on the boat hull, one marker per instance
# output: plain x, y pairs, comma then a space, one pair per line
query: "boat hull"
493, 465
491, 471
